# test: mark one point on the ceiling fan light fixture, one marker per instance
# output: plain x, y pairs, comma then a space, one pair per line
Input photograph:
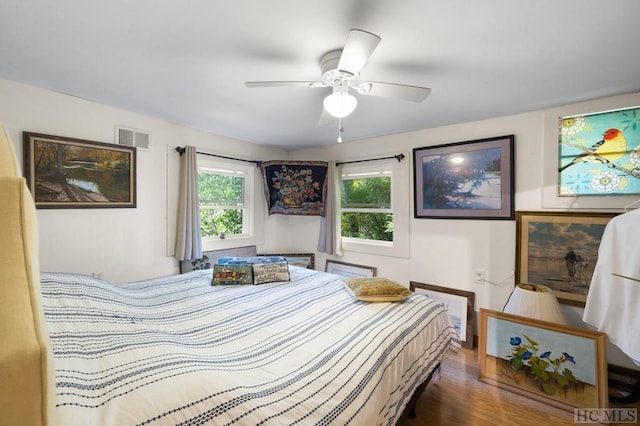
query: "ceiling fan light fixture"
340, 104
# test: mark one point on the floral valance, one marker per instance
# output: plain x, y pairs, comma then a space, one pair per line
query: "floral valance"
295, 187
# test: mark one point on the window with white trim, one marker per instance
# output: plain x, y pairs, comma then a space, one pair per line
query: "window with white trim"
374, 208
366, 211
225, 191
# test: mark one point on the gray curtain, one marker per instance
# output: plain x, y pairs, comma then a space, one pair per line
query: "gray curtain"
188, 241
329, 240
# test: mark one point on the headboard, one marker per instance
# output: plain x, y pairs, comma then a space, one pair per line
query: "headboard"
209, 258
26, 362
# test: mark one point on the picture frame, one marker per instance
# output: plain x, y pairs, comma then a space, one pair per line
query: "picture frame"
458, 303
543, 240
558, 365
64, 172
599, 153
304, 260
350, 270
551, 152
465, 180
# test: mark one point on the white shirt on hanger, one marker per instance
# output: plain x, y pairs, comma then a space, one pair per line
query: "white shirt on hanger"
613, 302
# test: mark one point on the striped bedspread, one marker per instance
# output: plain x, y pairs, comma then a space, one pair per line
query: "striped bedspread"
177, 350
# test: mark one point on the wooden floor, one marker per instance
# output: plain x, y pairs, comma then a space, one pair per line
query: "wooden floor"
456, 397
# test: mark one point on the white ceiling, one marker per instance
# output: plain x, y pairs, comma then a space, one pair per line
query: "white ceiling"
186, 60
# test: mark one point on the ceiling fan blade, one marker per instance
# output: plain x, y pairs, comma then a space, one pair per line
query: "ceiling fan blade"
357, 50
392, 90
281, 83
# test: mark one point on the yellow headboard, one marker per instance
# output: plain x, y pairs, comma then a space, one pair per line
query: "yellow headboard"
26, 363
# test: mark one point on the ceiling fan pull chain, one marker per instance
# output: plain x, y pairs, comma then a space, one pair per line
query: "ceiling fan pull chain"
340, 130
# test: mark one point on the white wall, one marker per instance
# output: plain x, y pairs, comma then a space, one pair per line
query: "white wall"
130, 244
124, 244
447, 252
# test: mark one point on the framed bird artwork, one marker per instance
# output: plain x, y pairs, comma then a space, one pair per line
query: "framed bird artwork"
599, 153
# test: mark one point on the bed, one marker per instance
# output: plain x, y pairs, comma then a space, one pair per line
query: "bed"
177, 350
79, 350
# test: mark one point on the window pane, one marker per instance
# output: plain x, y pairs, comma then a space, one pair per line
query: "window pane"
220, 190
369, 226
215, 221
373, 192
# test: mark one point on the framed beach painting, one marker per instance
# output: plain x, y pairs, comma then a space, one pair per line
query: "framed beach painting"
458, 303
73, 173
465, 180
559, 250
558, 365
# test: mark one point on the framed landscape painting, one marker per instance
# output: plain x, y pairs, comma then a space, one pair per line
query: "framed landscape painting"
558, 365
559, 250
73, 173
465, 180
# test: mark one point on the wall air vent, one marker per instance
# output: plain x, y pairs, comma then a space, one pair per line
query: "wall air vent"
133, 137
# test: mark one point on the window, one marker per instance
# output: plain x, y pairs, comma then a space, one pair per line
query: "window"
366, 211
374, 208
225, 192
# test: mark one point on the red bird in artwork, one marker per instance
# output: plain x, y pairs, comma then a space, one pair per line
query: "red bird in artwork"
611, 147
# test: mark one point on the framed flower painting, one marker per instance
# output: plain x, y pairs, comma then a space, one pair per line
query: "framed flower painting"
558, 365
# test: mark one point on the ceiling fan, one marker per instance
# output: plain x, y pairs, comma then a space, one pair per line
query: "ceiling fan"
341, 71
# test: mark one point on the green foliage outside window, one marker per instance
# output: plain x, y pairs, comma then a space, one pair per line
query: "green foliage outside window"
215, 221
221, 202
368, 194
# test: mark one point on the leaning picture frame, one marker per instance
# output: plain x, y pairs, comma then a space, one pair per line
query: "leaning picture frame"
544, 243
64, 172
558, 365
458, 303
465, 180
350, 270
304, 260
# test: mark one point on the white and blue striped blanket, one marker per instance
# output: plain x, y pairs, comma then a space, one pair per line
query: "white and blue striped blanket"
177, 350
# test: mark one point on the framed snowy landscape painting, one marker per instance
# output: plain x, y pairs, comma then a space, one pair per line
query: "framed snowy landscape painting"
465, 180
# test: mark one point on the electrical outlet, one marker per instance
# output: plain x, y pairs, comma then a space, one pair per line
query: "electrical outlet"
478, 277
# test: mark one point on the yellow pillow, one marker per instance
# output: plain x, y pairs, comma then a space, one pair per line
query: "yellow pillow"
377, 289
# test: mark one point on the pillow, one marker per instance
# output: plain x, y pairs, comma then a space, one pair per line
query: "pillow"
232, 274
227, 260
270, 272
377, 289
202, 263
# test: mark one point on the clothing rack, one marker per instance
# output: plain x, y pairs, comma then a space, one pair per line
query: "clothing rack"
398, 157
181, 150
